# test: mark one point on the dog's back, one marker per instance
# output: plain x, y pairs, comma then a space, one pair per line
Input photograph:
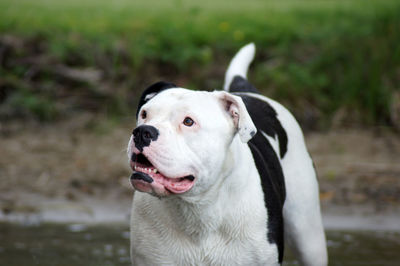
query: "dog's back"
302, 226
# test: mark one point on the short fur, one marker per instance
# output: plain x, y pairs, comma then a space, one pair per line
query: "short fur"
254, 181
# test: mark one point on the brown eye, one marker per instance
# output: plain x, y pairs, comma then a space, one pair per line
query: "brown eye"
188, 122
144, 114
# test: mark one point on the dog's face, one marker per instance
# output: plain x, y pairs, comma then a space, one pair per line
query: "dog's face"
182, 139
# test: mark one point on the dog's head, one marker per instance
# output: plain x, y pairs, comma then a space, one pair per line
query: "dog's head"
182, 138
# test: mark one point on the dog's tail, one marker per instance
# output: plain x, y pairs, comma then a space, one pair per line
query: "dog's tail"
239, 65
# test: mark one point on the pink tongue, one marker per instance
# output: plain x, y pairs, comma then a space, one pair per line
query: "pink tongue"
177, 186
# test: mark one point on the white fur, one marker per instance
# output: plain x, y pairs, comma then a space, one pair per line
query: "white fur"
239, 64
222, 220
217, 227
198, 227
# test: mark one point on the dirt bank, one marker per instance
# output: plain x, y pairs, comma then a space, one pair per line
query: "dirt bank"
78, 170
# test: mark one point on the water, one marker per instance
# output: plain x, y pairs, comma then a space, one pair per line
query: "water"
50, 244
77, 244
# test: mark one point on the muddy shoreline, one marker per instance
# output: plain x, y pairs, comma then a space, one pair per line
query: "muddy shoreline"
96, 211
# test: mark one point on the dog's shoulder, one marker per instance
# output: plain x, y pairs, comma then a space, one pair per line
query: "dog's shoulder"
266, 158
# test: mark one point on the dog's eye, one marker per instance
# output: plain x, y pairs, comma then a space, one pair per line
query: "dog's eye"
144, 114
188, 122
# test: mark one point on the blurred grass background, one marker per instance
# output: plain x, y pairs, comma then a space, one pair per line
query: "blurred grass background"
330, 62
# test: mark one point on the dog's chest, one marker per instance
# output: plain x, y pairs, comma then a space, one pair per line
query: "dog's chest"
158, 239
217, 248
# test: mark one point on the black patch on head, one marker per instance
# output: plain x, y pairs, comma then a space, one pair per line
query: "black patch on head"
153, 89
240, 84
144, 135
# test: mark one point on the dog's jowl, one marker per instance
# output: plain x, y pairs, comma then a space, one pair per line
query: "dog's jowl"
221, 178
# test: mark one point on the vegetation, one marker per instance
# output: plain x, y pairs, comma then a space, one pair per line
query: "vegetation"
324, 59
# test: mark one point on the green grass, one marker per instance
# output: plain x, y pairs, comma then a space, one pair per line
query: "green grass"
323, 55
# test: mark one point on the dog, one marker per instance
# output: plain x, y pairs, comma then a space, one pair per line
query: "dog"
221, 178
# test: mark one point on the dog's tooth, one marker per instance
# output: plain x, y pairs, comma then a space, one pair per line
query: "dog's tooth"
155, 170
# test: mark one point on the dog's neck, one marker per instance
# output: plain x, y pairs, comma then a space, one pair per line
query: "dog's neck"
207, 213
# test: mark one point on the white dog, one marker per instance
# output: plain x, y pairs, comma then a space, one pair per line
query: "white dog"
222, 178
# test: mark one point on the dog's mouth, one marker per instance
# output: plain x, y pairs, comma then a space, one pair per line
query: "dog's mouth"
146, 176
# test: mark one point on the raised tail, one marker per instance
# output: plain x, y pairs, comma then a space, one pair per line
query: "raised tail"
239, 65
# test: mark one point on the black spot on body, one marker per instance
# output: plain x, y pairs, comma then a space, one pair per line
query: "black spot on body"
240, 84
268, 165
265, 119
273, 186
266, 159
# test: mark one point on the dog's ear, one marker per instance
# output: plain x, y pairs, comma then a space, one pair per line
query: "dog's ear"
152, 91
242, 121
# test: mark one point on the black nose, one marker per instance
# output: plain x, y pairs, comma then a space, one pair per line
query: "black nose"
143, 135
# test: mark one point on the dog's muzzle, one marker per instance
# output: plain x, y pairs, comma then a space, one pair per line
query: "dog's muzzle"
147, 178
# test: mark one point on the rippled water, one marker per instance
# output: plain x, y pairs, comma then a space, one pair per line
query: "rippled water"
76, 244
